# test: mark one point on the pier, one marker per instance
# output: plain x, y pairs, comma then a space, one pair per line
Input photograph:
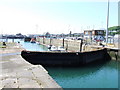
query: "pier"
15, 72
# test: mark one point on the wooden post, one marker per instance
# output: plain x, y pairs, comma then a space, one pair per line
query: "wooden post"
12, 40
43, 40
63, 42
113, 40
50, 41
116, 55
67, 46
81, 45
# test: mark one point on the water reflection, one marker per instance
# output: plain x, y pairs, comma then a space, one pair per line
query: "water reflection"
76, 71
102, 75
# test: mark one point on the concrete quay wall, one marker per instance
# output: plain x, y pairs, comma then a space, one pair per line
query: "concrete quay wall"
70, 45
74, 45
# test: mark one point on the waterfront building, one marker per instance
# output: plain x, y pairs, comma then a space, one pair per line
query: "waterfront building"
97, 35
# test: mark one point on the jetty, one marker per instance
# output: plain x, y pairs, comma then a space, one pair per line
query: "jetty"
15, 72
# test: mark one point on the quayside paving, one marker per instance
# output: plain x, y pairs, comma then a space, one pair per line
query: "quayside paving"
15, 72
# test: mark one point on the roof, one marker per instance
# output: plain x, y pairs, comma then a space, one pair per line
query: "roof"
94, 30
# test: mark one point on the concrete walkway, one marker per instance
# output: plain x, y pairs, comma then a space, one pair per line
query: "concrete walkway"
15, 72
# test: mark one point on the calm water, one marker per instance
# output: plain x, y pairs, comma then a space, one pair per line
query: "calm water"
104, 75
33, 46
28, 45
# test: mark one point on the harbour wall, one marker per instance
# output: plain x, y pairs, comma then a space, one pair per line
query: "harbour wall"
70, 45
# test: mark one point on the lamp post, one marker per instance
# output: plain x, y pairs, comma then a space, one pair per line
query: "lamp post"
107, 24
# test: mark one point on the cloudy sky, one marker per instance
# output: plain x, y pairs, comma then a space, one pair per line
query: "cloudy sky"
55, 16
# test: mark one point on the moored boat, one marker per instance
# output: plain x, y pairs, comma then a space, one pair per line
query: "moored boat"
27, 39
33, 40
64, 58
61, 48
54, 48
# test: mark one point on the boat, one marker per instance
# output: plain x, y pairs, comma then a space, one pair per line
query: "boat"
64, 58
38, 43
27, 39
33, 40
61, 48
54, 48
49, 46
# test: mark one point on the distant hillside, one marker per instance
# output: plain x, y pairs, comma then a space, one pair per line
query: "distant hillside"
114, 30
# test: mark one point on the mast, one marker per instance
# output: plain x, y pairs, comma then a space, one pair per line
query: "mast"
107, 23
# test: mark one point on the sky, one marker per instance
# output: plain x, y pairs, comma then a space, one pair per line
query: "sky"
55, 16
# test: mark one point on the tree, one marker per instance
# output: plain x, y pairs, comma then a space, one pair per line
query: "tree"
114, 30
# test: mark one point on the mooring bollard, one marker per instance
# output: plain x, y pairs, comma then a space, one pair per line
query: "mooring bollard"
4, 44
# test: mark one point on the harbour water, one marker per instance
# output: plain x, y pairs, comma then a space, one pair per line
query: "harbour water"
100, 75
103, 75
27, 45
33, 46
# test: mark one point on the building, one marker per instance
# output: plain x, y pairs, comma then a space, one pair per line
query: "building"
97, 35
